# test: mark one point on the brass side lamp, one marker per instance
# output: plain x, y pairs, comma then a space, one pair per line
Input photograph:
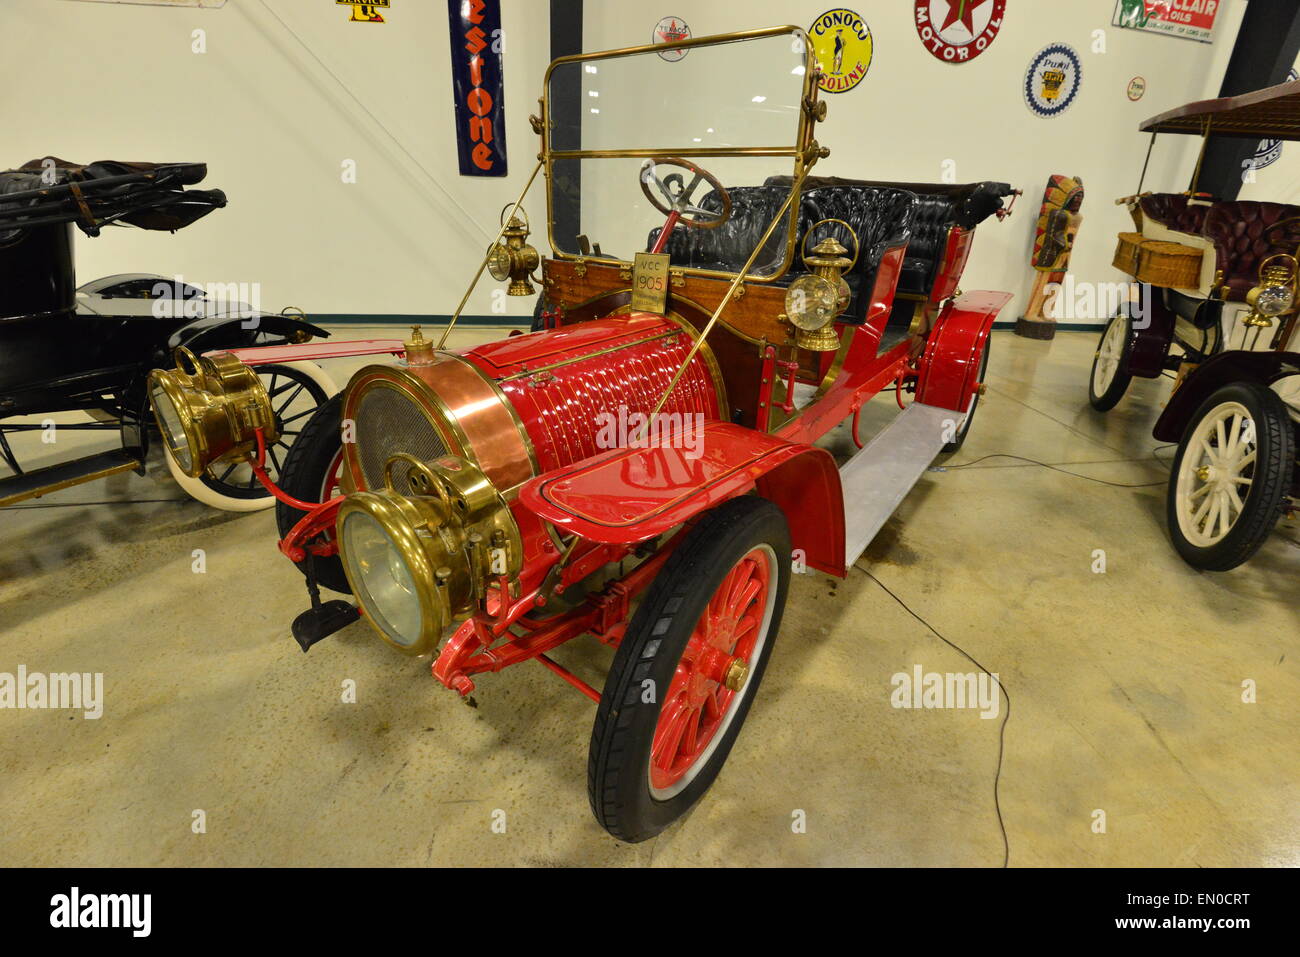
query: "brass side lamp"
812, 302
513, 258
208, 409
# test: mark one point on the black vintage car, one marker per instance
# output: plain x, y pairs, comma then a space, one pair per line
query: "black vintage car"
90, 349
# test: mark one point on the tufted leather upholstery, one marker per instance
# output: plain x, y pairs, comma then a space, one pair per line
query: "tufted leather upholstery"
930, 225
1172, 211
727, 247
881, 218
1237, 231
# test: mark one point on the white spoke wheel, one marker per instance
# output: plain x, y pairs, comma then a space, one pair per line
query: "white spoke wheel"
312, 470
1110, 377
1230, 476
296, 389
688, 668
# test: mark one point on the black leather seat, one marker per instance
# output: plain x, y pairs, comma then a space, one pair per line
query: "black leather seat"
881, 219
726, 248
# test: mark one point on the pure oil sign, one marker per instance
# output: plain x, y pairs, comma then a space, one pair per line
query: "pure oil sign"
478, 84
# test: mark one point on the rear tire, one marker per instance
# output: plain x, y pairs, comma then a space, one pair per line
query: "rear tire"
666, 719
1212, 524
1109, 378
311, 472
960, 440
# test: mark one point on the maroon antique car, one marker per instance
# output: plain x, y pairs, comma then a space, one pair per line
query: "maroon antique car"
1219, 306
644, 468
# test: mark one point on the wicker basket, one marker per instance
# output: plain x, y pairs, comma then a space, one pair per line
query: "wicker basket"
1159, 263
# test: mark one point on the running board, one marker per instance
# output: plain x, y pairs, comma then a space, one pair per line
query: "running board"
879, 476
18, 488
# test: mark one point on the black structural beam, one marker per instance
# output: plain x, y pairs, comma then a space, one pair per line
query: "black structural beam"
565, 104
1265, 51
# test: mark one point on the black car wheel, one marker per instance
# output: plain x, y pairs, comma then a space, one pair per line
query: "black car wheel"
687, 669
311, 474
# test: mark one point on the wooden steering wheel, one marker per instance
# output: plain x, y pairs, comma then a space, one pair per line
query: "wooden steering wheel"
1285, 232
675, 194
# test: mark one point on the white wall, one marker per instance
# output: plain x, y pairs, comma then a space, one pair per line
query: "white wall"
912, 112
93, 81
90, 81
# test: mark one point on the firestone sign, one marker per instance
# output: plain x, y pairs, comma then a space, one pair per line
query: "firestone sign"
478, 86
1187, 19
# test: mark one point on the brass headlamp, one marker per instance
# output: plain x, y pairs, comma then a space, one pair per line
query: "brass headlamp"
208, 409
512, 258
812, 302
417, 563
1275, 294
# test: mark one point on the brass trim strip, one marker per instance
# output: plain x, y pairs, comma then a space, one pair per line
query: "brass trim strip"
67, 483
715, 39
586, 355
644, 151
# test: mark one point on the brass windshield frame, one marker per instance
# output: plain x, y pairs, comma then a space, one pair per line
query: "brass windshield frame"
808, 116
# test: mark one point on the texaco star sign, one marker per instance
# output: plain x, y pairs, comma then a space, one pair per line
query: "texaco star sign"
957, 31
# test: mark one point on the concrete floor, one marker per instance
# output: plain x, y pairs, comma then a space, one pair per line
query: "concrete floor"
1125, 686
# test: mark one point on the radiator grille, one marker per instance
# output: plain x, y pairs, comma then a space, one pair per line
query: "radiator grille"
389, 422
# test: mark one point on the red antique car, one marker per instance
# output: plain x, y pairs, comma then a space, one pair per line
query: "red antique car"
642, 469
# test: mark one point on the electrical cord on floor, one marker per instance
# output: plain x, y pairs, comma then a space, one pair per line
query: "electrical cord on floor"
1054, 468
1002, 729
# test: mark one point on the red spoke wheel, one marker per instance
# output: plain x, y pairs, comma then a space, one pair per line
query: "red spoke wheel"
688, 668
311, 474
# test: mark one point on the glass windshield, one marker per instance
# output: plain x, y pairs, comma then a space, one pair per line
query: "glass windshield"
732, 108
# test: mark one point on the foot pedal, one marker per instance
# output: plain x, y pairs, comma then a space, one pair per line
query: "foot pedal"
318, 623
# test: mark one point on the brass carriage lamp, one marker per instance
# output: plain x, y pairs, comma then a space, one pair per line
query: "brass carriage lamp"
418, 562
1275, 294
812, 302
514, 259
208, 409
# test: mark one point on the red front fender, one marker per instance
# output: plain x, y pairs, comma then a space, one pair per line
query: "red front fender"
949, 368
630, 495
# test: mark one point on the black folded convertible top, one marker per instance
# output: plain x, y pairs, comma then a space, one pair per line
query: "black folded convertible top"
147, 195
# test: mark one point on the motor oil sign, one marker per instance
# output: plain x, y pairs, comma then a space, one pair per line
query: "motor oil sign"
478, 85
1188, 19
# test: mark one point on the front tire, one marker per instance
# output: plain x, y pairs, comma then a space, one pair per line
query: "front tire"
1230, 476
311, 474
1110, 377
687, 669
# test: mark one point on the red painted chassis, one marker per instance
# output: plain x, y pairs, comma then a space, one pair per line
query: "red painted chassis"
588, 500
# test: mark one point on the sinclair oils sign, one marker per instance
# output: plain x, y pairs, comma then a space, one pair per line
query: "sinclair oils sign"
1187, 19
